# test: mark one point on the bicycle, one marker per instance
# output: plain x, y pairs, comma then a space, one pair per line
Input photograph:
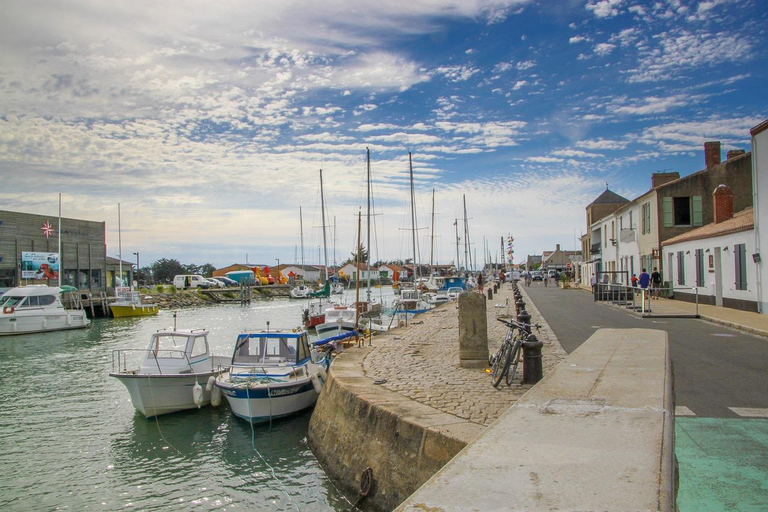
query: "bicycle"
508, 355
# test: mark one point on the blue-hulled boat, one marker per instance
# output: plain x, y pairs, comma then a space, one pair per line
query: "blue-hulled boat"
273, 374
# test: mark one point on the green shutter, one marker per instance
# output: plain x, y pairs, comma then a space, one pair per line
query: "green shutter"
666, 205
696, 206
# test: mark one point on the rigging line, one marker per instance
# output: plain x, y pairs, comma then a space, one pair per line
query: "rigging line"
157, 422
253, 440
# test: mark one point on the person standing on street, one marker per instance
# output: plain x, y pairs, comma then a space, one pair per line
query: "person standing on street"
656, 283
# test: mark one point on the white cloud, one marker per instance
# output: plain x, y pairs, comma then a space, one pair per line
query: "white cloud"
574, 153
543, 159
649, 104
602, 144
679, 51
605, 8
577, 39
457, 73
604, 49
526, 64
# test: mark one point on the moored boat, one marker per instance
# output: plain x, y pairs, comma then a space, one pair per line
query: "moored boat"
129, 303
38, 308
272, 374
174, 375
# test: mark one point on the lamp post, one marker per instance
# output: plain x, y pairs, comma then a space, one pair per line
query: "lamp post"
137, 267
278, 264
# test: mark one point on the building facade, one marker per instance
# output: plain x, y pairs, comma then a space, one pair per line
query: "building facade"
82, 260
760, 209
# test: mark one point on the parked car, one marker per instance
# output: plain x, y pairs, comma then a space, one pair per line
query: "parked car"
215, 283
227, 282
536, 275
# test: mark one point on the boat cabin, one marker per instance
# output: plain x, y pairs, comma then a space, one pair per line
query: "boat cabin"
275, 348
32, 296
176, 351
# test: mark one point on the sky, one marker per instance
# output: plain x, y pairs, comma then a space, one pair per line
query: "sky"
208, 122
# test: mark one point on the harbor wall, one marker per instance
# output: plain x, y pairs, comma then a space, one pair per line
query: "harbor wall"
376, 445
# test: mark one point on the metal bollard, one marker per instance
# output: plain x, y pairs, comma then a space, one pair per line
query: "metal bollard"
533, 369
490, 293
524, 318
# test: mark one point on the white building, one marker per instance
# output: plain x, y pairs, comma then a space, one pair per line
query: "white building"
760, 201
716, 260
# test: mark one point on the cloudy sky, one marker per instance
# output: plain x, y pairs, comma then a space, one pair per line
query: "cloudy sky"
209, 121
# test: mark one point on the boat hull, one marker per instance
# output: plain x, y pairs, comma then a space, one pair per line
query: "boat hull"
259, 403
133, 310
155, 395
26, 322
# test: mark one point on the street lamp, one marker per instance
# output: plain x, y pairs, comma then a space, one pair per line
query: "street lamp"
137, 267
278, 263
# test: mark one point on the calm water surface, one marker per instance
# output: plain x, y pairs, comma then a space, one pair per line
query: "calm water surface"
71, 439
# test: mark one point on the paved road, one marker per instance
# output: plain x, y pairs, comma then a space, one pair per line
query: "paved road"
721, 397
716, 368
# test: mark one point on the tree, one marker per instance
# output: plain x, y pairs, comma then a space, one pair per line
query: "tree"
163, 270
363, 255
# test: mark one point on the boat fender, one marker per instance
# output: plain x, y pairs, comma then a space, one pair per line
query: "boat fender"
323, 374
210, 384
216, 396
314, 378
197, 394
8, 310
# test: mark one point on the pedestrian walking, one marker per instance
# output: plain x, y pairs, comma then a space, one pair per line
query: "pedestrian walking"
644, 279
634, 280
656, 283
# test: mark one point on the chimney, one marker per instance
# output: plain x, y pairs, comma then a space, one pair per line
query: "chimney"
557, 247
660, 178
722, 199
734, 153
711, 153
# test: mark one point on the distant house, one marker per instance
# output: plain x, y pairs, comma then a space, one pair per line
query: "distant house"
351, 271
388, 270
222, 272
715, 261
559, 259
308, 273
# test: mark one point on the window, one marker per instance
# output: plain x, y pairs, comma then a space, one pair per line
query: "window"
646, 220
680, 267
631, 226
740, 265
699, 267
682, 211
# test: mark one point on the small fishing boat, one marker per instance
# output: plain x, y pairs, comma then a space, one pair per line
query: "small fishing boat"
412, 302
273, 374
337, 288
338, 319
129, 303
301, 291
38, 308
177, 372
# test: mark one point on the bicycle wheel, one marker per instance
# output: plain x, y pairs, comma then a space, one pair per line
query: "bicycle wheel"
515, 352
501, 365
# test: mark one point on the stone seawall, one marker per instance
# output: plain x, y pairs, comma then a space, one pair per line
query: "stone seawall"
357, 425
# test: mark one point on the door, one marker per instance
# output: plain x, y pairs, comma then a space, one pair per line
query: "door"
718, 277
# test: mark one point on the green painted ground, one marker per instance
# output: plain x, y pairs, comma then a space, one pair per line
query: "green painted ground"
723, 464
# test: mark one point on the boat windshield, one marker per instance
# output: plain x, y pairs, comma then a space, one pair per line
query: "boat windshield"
10, 300
169, 346
255, 349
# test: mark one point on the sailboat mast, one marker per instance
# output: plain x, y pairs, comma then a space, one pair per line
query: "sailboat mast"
322, 209
301, 236
456, 228
413, 220
368, 259
432, 239
466, 237
119, 246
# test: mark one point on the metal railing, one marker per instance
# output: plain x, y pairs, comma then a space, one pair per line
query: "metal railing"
639, 299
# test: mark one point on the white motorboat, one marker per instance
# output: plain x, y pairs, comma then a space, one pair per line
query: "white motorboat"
338, 319
337, 288
301, 291
176, 373
272, 374
38, 308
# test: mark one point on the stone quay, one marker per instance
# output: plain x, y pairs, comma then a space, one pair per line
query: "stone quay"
397, 409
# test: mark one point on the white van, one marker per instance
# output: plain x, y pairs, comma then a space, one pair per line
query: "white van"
190, 281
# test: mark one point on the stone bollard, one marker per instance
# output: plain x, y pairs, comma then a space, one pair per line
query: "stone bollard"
490, 293
524, 318
473, 331
533, 368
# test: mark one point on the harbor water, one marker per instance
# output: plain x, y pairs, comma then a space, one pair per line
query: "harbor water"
71, 439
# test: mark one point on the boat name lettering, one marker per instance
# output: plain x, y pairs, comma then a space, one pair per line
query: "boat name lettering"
283, 391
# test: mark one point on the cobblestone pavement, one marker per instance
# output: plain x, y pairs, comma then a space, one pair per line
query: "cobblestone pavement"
421, 361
